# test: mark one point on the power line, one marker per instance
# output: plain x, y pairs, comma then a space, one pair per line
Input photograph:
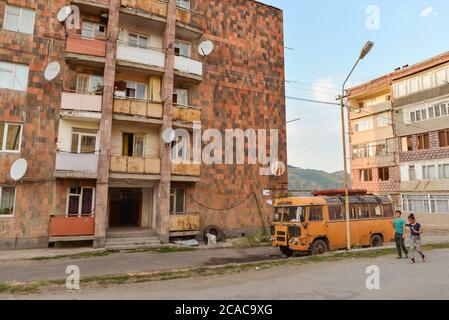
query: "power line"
312, 101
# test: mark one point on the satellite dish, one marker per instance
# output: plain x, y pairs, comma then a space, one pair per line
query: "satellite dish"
18, 169
205, 48
52, 71
168, 136
64, 13
278, 168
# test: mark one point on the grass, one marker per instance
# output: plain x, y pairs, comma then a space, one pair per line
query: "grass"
105, 281
257, 240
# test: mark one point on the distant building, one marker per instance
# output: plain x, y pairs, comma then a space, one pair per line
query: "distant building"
399, 138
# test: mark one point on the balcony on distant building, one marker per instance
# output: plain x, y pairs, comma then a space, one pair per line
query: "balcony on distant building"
144, 58
83, 48
135, 165
73, 165
188, 68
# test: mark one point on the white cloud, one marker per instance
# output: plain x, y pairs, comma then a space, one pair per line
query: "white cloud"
427, 12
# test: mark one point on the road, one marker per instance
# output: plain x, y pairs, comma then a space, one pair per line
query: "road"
344, 279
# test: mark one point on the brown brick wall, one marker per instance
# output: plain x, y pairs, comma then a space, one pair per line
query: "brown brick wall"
435, 152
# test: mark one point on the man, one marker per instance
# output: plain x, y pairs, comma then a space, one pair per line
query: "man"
415, 238
399, 225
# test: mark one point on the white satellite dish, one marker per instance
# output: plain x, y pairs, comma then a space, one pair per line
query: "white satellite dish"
18, 169
278, 168
168, 136
64, 13
205, 48
52, 71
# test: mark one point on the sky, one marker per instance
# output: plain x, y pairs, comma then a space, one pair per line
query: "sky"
323, 39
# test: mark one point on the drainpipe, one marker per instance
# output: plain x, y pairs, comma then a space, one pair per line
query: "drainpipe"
163, 215
102, 190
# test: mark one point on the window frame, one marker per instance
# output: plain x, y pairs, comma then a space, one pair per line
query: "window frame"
173, 193
5, 138
13, 72
363, 177
181, 42
95, 32
425, 141
180, 2
21, 9
445, 140
14, 203
315, 208
136, 84
383, 172
80, 135
80, 204
139, 37
134, 134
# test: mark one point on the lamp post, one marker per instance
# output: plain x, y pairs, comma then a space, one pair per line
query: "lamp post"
366, 49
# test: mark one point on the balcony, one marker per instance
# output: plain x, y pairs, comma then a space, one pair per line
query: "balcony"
138, 108
186, 114
357, 113
189, 23
70, 165
85, 49
75, 105
148, 8
64, 228
146, 58
135, 165
95, 4
189, 68
186, 169
184, 224
384, 160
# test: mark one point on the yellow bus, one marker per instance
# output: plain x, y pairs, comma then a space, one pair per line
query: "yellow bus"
317, 224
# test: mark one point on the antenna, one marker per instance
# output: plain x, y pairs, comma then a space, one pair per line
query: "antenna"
52, 71
18, 169
205, 48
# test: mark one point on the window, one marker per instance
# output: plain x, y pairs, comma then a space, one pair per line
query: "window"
7, 200
84, 141
444, 138
421, 82
430, 172
443, 171
135, 40
366, 175
19, 19
423, 141
10, 137
184, 4
133, 144
89, 83
439, 204
295, 214
177, 201
441, 77
363, 125
388, 210
335, 213
375, 211
182, 49
93, 30
136, 90
315, 214
417, 204
181, 97
412, 173
383, 120
80, 201
13, 76
384, 174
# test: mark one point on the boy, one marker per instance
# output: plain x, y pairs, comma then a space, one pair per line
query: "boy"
399, 237
415, 238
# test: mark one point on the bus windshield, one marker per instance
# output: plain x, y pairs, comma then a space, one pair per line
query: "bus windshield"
295, 214
277, 216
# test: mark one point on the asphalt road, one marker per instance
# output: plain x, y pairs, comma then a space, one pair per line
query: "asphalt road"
325, 280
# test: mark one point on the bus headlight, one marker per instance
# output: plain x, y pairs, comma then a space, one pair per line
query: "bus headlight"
294, 241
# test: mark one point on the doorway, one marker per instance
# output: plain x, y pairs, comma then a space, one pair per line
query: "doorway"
125, 208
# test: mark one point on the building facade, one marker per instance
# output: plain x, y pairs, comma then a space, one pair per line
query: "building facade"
97, 164
418, 114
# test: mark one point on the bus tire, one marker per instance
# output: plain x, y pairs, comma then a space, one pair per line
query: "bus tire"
376, 241
286, 251
319, 247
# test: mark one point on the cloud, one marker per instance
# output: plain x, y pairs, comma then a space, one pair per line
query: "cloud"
427, 12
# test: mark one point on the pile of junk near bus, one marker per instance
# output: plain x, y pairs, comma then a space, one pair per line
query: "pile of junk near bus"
317, 224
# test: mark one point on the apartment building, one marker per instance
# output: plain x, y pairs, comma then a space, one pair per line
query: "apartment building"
98, 169
417, 113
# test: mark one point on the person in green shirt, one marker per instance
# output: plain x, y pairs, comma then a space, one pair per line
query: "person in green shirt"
399, 225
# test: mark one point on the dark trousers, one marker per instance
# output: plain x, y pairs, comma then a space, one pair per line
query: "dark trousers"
400, 244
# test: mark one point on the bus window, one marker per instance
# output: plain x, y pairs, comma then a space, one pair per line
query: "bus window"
388, 210
363, 212
375, 211
277, 216
353, 210
335, 213
316, 214
295, 214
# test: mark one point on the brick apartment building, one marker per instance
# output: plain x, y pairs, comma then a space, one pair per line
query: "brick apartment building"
98, 169
399, 133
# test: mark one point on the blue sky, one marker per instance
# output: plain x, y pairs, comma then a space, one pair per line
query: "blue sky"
326, 37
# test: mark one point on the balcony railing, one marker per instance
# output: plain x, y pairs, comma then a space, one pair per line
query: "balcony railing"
189, 66
186, 169
146, 56
77, 164
63, 226
135, 165
141, 108
155, 7
191, 18
81, 102
189, 222
186, 114
86, 46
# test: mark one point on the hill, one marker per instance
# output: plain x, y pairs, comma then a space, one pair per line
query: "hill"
309, 179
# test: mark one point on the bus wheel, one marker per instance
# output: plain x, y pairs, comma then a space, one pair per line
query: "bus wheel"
286, 251
319, 247
376, 241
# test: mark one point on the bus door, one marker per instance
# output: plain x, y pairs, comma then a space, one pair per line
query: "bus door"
315, 222
336, 227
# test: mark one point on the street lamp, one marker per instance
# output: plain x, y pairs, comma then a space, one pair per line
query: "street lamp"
366, 49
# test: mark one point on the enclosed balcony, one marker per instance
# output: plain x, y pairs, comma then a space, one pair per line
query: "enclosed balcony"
188, 68
80, 106
135, 165
141, 57
187, 114
72, 165
186, 169
66, 228
150, 8
138, 108
85, 49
